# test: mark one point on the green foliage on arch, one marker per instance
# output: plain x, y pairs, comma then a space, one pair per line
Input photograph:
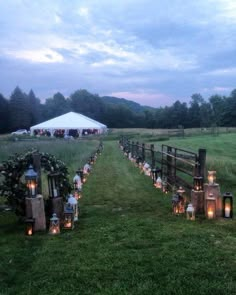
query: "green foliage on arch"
13, 187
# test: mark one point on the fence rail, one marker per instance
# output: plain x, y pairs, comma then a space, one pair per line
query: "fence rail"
178, 166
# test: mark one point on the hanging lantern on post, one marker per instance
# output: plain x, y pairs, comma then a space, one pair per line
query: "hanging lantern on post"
54, 227
53, 185
68, 220
227, 205
211, 177
198, 183
211, 207
29, 226
31, 181
190, 212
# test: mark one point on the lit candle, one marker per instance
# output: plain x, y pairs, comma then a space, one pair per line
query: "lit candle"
210, 214
55, 192
32, 189
227, 210
30, 232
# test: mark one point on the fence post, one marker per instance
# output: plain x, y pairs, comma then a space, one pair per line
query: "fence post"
143, 152
137, 149
152, 156
202, 163
132, 149
170, 167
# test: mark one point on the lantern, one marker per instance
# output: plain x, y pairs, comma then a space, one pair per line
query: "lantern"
154, 176
87, 168
227, 205
198, 183
181, 191
54, 227
190, 212
164, 186
92, 160
78, 195
175, 204
53, 185
74, 205
211, 177
210, 207
158, 183
68, 221
31, 181
77, 181
29, 226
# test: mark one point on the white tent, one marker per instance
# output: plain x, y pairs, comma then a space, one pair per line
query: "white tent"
67, 122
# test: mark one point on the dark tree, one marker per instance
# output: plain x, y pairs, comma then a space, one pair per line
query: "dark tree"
20, 116
35, 111
4, 114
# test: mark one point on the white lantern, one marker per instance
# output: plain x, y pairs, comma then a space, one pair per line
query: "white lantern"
190, 212
77, 181
158, 183
74, 204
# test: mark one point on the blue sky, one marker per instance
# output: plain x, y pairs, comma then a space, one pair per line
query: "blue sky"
152, 52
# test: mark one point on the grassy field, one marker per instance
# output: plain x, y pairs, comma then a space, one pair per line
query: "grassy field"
126, 241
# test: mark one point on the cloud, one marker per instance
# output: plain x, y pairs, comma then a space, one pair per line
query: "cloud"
37, 56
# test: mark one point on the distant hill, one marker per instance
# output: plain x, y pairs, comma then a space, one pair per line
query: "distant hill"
131, 105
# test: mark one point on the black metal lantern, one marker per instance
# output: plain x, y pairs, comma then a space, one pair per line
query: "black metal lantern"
198, 183
227, 205
53, 185
68, 220
29, 226
31, 181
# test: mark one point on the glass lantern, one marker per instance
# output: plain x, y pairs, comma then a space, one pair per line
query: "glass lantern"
29, 226
92, 160
74, 205
158, 183
210, 207
175, 204
68, 220
154, 176
190, 212
211, 177
198, 183
31, 181
54, 227
78, 194
53, 185
227, 205
77, 181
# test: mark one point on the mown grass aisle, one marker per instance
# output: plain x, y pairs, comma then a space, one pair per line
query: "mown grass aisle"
126, 242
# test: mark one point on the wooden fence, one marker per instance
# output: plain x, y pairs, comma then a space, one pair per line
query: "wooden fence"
178, 166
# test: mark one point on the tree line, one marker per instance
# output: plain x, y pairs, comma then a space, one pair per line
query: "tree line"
23, 110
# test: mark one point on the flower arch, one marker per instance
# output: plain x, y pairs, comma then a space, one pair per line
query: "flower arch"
14, 189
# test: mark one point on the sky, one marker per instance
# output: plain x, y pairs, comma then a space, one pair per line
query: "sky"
153, 52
